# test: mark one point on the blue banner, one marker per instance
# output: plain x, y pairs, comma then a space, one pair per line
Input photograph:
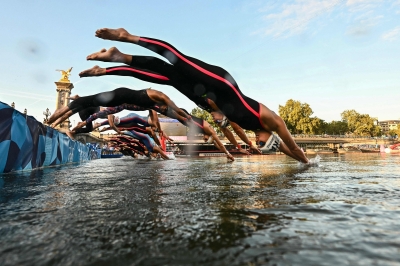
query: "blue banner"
27, 144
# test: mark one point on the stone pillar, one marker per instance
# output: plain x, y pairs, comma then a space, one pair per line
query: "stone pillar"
64, 88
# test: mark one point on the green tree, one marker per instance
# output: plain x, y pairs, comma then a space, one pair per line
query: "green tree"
394, 132
360, 124
336, 128
297, 117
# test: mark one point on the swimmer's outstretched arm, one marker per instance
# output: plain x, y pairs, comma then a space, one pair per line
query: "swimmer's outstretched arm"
57, 115
155, 121
242, 135
112, 125
229, 135
217, 142
273, 122
79, 125
152, 134
158, 96
62, 118
161, 152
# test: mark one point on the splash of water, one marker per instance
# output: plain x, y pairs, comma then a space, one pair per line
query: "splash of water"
314, 161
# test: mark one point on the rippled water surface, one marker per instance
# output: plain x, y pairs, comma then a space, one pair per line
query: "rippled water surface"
258, 210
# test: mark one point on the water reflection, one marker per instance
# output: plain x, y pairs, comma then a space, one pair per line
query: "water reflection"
257, 210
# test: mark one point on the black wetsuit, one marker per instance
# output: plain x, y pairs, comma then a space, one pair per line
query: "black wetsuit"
112, 98
162, 73
194, 79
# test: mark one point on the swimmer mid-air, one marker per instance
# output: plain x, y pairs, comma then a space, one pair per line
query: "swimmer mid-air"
145, 98
155, 70
198, 124
217, 86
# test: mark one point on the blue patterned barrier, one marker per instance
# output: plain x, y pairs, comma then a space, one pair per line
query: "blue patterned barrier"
27, 144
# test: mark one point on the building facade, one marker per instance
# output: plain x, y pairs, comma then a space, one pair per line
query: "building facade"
388, 125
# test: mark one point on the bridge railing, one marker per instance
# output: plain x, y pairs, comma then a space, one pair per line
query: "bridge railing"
342, 136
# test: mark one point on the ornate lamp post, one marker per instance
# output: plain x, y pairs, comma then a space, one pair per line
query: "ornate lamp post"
46, 113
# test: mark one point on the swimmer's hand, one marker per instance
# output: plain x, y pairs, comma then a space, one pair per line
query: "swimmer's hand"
230, 157
70, 134
244, 151
254, 148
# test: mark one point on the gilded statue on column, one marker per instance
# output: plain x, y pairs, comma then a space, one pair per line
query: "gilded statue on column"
64, 75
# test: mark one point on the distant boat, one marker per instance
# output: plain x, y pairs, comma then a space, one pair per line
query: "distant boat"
348, 149
369, 148
108, 156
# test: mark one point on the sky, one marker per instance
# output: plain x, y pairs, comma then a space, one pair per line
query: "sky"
334, 55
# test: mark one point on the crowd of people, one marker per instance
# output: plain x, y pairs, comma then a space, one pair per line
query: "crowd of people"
210, 87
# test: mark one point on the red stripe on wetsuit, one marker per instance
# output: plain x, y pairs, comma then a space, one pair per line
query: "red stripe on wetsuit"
203, 71
138, 71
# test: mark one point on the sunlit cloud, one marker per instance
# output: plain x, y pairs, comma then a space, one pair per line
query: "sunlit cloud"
364, 26
392, 34
362, 5
294, 18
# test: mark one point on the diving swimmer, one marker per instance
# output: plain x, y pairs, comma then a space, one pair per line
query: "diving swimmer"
221, 91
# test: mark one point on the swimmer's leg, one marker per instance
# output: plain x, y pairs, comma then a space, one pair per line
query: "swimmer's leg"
190, 66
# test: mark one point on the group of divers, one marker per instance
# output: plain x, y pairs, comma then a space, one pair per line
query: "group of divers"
210, 87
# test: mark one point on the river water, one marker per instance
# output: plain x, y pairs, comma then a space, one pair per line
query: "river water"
258, 210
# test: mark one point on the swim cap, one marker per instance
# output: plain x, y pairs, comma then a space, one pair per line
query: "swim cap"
210, 139
117, 120
272, 144
224, 122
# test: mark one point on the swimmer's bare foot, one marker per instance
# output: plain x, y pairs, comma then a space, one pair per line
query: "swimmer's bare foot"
94, 71
120, 35
110, 55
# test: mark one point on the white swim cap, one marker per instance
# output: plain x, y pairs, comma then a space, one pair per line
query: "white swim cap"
272, 144
117, 120
224, 122
210, 139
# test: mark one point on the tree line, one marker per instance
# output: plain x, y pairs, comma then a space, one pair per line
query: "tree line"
299, 120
